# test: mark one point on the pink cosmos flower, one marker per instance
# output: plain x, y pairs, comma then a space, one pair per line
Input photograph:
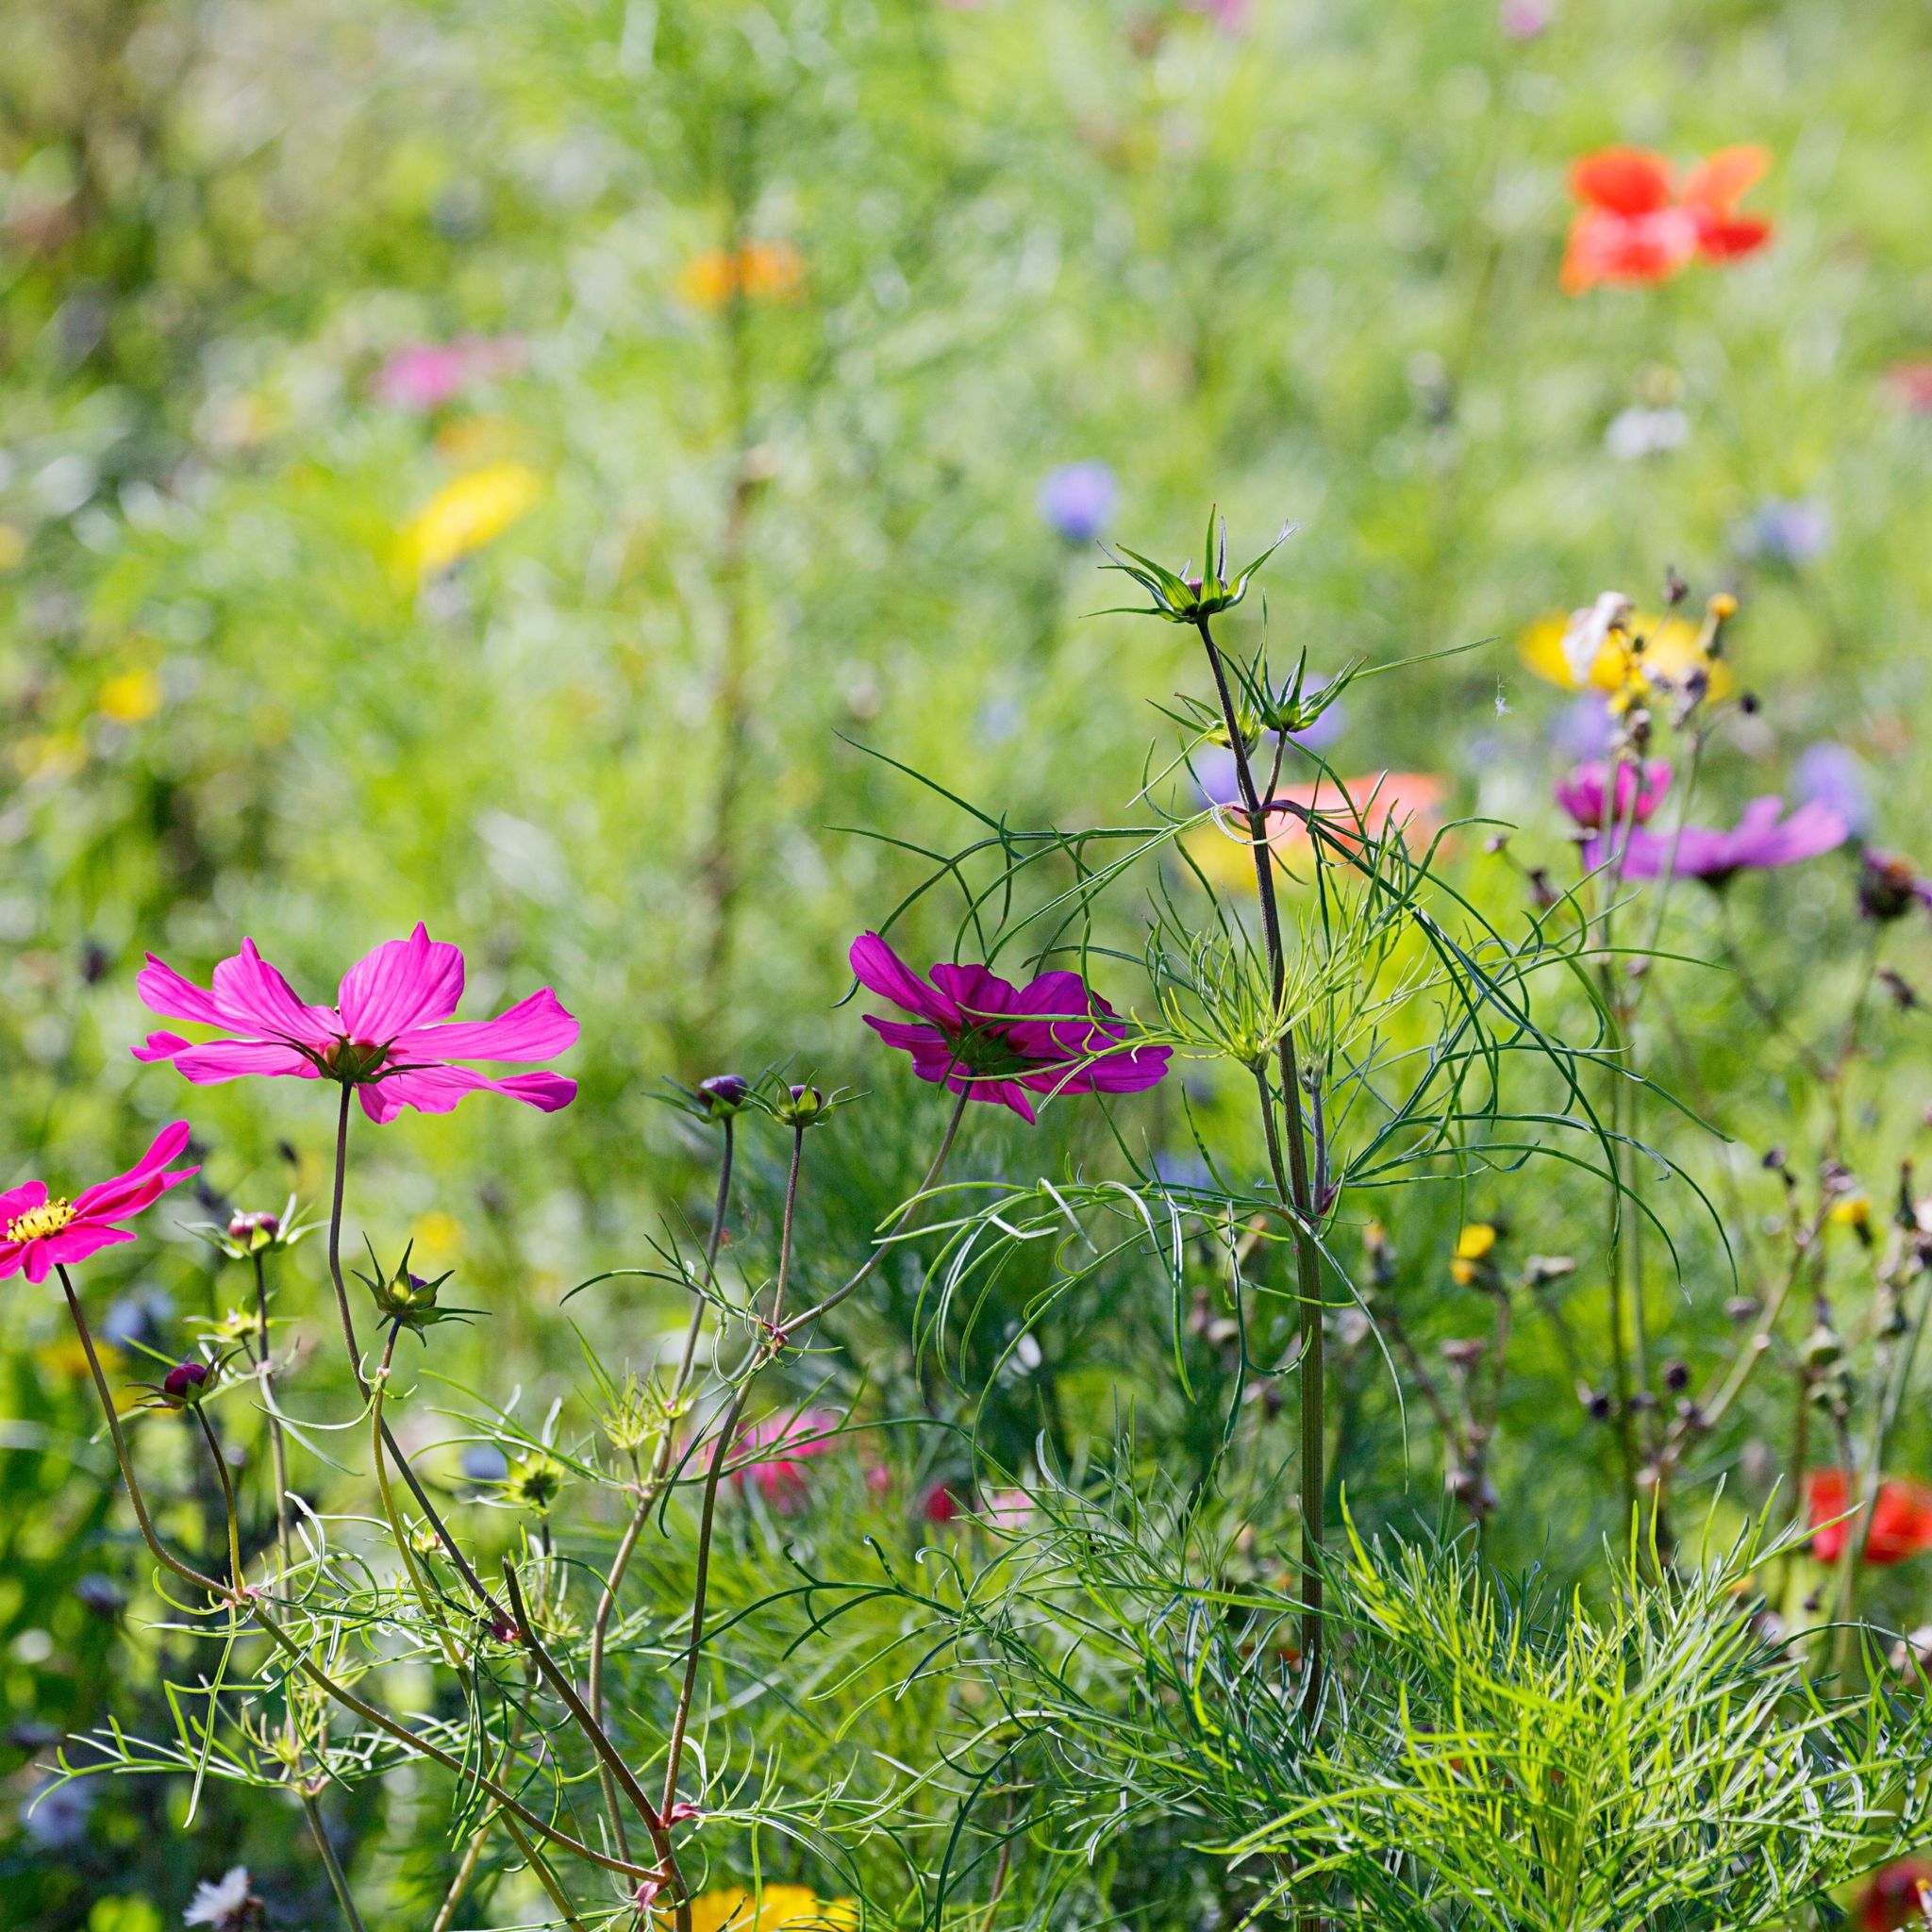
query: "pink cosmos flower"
36, 1234
426, 375
1582, 794
1761, 838
780, 1476
390, 1032
983, 1037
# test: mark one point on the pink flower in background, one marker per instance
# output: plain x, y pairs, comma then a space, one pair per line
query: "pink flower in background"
1583, 794
980, 1035
1762, 838
1232, 14
36, 1234
1524, 20
780, 1477
390, 1032
943, 1504
1911, 384
427, 375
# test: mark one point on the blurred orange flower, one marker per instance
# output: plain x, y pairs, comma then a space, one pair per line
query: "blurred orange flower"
1410, 802
761, 271
1636, 226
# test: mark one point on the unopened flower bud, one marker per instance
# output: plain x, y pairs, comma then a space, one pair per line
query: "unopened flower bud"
1677, 1376
725, 1095
804, 1106
183, 1383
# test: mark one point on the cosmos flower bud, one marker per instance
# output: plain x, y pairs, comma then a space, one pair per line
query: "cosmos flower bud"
802, 1106
725, 1095
183, 1383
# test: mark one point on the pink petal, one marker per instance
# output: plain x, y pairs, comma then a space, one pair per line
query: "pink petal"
230, 1059
1000, 1093
533, 1029
881, 970
142, 1183
438, 1090
164, 991
256, 995
403, 983
21, 1200
74, 1243
915, 1040
10, 1253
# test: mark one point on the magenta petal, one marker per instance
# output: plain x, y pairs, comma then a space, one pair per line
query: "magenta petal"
159, 1046
73, 1243
254, 994
230, 1059
533, 1029
142, 1182
164, 991
11, 1254
1001, 1094
881, 970
975, 991
547, 1093
1055, 995
914, 1039
403, 983
21, 1200
438, 1090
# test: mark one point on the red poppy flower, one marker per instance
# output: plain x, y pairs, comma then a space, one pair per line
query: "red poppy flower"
1636, 226
1901, 1518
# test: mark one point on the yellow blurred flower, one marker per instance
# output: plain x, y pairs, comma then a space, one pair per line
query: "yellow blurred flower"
1673, 649
779, 1908
50, 754
1473, 1247
464, 515
130, 698
477, 439
12, 546
65, 1358
768, 271
436, 1235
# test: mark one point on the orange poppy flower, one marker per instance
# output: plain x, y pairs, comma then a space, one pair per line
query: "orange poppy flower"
1411, 802
1637, 226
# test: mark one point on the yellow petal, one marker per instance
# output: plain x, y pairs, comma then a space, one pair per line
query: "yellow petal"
464, 515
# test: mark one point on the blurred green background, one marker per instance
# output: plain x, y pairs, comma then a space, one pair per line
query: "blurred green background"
493, 465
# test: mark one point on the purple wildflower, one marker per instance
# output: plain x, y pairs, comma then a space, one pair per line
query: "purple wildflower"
1828, 775
1524, 20
1584, 729
1890, 885
982, 1036
427, 375
1786, 529
1078, 499
1761, 838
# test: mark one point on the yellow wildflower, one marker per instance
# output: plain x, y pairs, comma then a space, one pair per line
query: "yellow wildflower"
464, 515
1673, 649
1474, 1246
779, 1908
436, 1235
130, 698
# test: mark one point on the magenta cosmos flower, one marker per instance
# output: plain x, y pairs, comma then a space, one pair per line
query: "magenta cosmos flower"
36, 1234
980, 1035
1583, 794
1761, 838
389, 1033
787, 1440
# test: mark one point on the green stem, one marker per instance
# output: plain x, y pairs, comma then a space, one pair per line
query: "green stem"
337, 1877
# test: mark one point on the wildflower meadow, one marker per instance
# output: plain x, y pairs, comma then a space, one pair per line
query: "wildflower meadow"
964, 966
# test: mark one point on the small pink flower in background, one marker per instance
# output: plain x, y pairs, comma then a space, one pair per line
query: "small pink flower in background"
1232, 14
1583, 794
38, 1234
390, 1032
1763, 838
427, 375
983, 1035
780, 1476
1524, 20
1911, 384
1007, 1509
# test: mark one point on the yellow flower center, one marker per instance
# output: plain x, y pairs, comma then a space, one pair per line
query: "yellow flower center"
50, 1216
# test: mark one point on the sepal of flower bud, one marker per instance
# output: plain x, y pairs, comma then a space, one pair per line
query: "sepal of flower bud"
1182, 598
408, 1300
